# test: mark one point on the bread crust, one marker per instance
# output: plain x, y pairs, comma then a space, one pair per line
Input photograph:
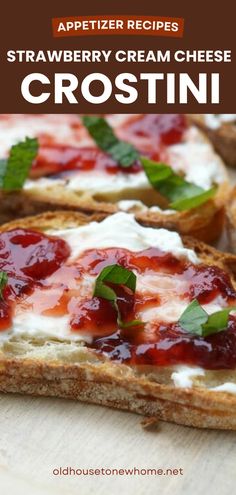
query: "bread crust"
196, 407
205, 222
222, 138
78, 373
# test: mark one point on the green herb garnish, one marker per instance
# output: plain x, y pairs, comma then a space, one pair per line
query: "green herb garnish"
15, 169
182, 195
123, 153
117, 275
3, 282
196, 320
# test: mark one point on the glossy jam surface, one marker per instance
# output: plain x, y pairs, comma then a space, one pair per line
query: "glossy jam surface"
164, 344
171, 346
57, 159
166, 129
42, 278
149, 133
28, 258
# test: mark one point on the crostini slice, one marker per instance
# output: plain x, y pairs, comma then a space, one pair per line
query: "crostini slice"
65, 334
72, 172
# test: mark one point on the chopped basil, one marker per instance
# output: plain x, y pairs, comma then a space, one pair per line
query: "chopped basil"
196, 320
15, 169
3, 282
122, 152
217, 322
3, 166
182, 195
193, 317
117, 275
194, 201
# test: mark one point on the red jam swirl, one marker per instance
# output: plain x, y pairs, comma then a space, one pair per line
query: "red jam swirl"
157, 130
166, 344
58, 159
172, 346
166, 129
97, 316
32, 260
28, 258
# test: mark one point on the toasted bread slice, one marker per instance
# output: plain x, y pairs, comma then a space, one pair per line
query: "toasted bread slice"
70, 369
204, 223
221, 130
40, 195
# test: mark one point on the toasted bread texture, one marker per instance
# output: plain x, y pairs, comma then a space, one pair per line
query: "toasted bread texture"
69, 369
204, 223
223, 137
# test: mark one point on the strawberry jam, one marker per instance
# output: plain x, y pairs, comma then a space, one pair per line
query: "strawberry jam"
159, 344
27, 258
98, 316
209, 282
167, 129
41, 278
150, 260
157, 130
56, 159
172, 346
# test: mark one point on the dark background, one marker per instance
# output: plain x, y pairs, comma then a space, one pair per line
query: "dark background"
27, 25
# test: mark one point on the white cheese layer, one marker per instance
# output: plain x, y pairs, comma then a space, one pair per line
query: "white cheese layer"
97, 182
225, 387
197, 159
122, 231
134, 204
59, 128
28, 323
183, 377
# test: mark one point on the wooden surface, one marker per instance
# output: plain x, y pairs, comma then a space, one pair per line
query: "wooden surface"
38, 435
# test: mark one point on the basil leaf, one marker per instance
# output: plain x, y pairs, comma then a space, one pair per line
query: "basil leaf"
122, 152
3, 282
3, 166
194, 201
117, 275
196, 320
15, 169
217, 322
130, 324
193, 317
176, 187
183, 195
156, 173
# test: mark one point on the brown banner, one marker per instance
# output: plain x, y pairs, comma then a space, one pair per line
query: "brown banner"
164, 72
118, 25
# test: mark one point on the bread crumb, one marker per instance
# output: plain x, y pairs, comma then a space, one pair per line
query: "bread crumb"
150, 423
